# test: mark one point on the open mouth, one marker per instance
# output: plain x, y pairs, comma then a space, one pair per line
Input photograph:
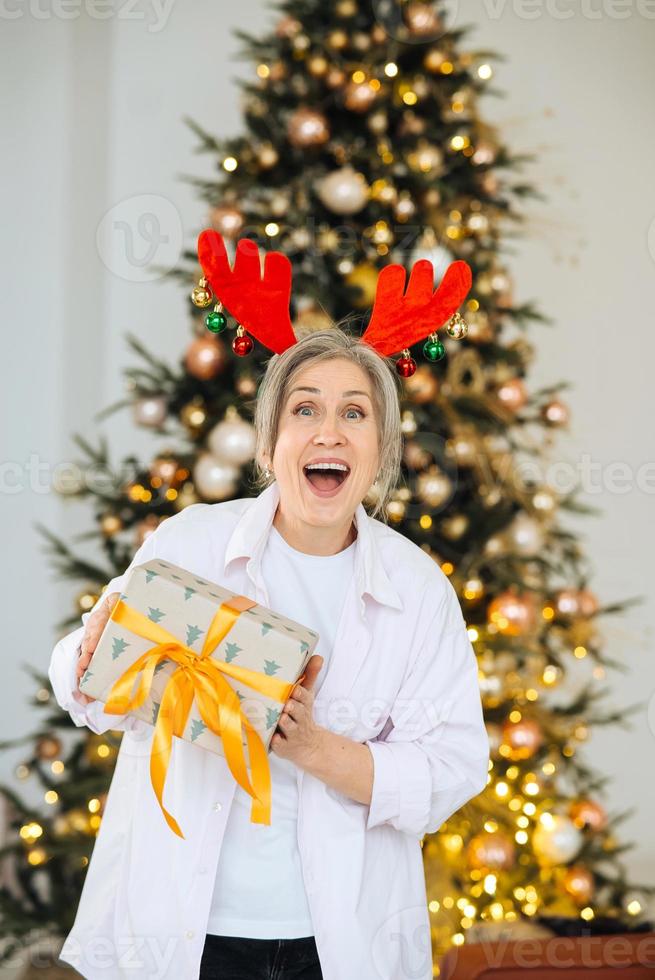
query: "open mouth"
326, 481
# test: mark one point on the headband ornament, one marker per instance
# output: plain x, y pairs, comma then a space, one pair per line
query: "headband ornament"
260, 302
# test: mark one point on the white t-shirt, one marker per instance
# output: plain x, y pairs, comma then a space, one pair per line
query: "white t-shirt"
259, 890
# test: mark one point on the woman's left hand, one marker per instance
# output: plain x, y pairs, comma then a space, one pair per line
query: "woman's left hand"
297, 736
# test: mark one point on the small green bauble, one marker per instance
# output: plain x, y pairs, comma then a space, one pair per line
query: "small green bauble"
434, 350
216, 321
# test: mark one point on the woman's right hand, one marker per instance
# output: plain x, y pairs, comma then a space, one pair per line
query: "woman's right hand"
95, 624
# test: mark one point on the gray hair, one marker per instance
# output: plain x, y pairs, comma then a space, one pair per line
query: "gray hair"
328, 344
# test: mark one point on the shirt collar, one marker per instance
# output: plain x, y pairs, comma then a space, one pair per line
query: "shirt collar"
249, 537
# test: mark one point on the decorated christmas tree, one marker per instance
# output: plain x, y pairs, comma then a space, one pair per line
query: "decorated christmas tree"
363, 144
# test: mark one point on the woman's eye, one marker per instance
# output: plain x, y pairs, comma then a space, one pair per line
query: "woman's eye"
302, 408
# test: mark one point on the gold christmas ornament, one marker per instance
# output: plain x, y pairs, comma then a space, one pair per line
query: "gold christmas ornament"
201, 295
522, 738
587, 602
277, 72
490, 851
193, 415
433, 60
588, 815
346, 8
227, 219
405, 208
232, 440
164, 470
567, 603
457, 328
337, 40
267, 156
378, 122
415, 457
307, 127
512, 614
455, 527
186, 496
364, 279
578, 882
426, 158
110, 524
246, 385
205, 358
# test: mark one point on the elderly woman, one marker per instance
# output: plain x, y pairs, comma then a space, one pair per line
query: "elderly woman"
381, 743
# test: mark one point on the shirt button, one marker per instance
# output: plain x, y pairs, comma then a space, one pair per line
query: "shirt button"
218, 806
190, 934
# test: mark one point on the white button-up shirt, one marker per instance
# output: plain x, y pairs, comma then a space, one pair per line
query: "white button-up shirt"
402, 679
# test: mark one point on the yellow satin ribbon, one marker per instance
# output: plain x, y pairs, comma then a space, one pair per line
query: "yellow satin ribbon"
218, 705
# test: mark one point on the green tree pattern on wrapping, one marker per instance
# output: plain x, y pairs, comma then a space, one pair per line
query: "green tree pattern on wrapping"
118, 646
197, 728
270, 667
272, 715
150, 574
192, 634
188, 592
266, 628
231, 650
155, 711
155, 614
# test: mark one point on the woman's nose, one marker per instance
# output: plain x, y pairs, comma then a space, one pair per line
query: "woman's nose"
329, 428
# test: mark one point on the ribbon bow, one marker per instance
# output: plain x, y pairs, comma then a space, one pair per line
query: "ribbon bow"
218, 705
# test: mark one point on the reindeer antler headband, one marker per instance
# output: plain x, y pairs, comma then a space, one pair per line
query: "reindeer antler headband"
260, 303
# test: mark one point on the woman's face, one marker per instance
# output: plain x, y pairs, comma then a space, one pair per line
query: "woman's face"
333, 420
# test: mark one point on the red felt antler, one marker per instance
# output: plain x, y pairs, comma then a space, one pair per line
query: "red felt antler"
400, 319
259, 303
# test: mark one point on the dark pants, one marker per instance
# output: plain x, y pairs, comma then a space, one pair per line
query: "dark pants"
241, 958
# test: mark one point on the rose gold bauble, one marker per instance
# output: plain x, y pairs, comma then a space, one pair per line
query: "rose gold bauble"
415, 457
150, 411
578, 882
555, 413
512, 614
335, 78
405, 208
277, 71
205, 358
164, 468
587, 602
434, 488
145, 528
523, 738
422, 19
492, 851
567, 602
512, 394
359, 96
48, 747
227, 219
308, 127
588, 814
422, 386
246, 385
267, 156
317, 65
287, 26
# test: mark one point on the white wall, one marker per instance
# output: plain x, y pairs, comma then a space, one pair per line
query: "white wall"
93, 117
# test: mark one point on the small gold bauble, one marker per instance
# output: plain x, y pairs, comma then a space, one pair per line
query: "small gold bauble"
434, 487
267, 156
246, 385
48, 747
201, 296
346, 8
422, 19
457, 327
434, 59
110, 524
317, 65
363, 278
455, 527
335, 78
337, 40
193, 415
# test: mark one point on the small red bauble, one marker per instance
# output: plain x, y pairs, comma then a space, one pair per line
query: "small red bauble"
405, 365
242, 345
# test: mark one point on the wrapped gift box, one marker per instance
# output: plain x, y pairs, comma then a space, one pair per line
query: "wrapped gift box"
169, 617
